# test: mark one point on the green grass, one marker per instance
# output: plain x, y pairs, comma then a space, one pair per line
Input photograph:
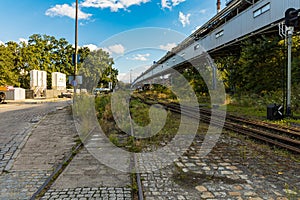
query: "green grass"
259, 113
253, 112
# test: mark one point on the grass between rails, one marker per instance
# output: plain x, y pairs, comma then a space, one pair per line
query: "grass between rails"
140, 116
251, 151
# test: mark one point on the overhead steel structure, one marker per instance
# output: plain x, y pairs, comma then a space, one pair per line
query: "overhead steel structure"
238, 20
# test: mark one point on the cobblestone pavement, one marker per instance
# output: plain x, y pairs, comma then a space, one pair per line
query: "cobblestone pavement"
235, 169
21, 184
36, 139
16, 122
90, 193
49, 137
87, 178
33, 153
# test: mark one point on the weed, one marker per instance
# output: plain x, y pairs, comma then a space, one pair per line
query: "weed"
114, 139
291, 192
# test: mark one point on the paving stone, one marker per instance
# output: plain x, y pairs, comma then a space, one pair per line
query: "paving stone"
207, 195
201, 188
250, 193
234, 193
238, 187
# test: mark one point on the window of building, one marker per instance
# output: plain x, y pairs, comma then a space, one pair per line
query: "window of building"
262, 10
219, 34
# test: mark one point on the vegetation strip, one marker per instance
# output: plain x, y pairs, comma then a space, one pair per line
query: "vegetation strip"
279, 140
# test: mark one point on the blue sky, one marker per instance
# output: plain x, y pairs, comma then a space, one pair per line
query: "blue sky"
119, 26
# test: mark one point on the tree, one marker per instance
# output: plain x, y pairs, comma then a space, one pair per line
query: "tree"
296, 60
93, 67
44, 52
8, 61
109, 75
258, 69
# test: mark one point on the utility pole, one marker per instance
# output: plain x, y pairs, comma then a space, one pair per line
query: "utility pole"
76, 46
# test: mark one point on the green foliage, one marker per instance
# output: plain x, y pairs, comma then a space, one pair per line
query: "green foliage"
114, 139
196, 80
100, 104
256, 104
139, 113
260, 66
84, 111
96, 68
295, 98
44, 52
109, 75
8, 59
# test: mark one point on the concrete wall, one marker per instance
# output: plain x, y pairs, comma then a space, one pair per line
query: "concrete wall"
53, 93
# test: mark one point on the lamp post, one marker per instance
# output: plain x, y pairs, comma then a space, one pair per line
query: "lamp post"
130, 76
76, 45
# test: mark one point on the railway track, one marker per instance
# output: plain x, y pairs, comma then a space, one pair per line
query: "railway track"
283, 137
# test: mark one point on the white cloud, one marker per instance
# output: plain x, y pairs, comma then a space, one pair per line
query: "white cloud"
177, 2
167, 47
125, 77
114, 5
1, 43
170, 3
140, 57
23, 40
117, 49
92, 47
165, 4
128, 3
184, 19
66, 10
134, 73
196, 28
203, 11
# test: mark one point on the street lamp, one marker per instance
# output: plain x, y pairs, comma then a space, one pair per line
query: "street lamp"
76, 45
130, 71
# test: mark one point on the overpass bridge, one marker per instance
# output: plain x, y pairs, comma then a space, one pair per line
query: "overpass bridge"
238, 20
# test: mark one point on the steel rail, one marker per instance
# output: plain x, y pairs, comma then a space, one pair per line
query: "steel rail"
244, 126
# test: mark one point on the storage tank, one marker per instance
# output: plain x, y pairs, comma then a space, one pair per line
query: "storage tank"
58, 81
38, 82
38, 79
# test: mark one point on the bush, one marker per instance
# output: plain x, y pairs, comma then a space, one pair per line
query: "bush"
100, 104
265, 98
